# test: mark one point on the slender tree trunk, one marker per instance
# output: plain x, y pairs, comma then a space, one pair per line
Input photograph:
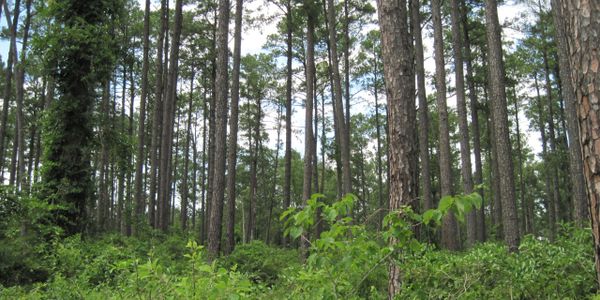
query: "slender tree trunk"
580, 205
169, 106
156, 119
310, 8
275, 172
552, 138
337, 91
450, 239
20, 129
423, 110
525, 220
500, 120
139, 166
463, 125
103, 200
218, 182
12, 54
288, 115
233, 129
186, 160
478, 176
550, 195
399, 78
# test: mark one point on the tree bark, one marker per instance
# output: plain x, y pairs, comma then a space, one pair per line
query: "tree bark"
169, 106
501, 130
450, 239
463, 125
398, 70
218, 182
582, 20
478, 176
423, 110
139, 197
288, 116
580, 205
337, 91
308, 134
233, 129
156, 119
20, 137
12, 53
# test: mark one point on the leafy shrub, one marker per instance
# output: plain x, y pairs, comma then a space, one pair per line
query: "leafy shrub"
540, 270
261, 262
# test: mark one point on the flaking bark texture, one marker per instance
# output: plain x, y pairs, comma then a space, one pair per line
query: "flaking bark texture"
397, 55
582, 20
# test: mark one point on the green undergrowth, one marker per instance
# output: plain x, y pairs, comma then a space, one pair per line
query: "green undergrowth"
346, 262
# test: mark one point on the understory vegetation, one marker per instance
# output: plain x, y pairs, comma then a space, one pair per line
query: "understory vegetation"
348, 261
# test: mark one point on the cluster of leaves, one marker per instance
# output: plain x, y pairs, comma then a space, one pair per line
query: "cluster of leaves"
540, 270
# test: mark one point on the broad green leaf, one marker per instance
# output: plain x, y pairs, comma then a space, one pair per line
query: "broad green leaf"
445, 203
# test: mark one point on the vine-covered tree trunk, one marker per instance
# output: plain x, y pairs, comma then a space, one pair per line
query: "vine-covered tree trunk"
68, 129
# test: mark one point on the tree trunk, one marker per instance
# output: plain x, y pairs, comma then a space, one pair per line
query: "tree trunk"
233, 129
450, 239
156, 119
463, 125
423, 110
501, 130
399, 78
169, 106
218, 182
20, 137
288, 116
310, 8
337, 91
580, 205
139, 196
12, 53
582, 20
478, 176
186, 160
